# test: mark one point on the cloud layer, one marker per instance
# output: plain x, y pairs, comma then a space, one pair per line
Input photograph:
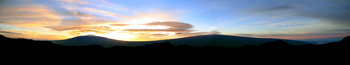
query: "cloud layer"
333, 11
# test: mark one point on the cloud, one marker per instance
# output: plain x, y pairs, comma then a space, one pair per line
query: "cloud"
65, 28
79, 32
106, 13
172, 25
218, 19
32, 35
8, 32
76, 30
79, 13
276, 8
29, 16
118, 24
148, 36
38, 36
28, 11
75, 1
155, 30
295, 36
70, 19
138, 30
86, 18
115, 5
90, 30
32, 23
335, 12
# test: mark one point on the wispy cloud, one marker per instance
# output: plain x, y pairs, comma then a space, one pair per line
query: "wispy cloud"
29, 16
218, 19
120, 7
8, 32
75, 1
172, 25
242, 19
294, 36
282, 7
334, 12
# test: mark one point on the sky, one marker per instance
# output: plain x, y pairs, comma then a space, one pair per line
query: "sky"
148, 20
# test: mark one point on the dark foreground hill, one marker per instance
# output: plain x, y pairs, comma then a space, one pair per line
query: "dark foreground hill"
275, 52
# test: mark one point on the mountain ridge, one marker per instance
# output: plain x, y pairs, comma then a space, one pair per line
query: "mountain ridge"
215, 40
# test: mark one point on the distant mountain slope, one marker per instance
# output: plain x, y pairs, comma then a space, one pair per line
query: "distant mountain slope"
89, 40
198, 41
224, 41
323, 40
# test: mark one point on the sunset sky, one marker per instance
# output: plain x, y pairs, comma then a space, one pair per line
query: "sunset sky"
147, 20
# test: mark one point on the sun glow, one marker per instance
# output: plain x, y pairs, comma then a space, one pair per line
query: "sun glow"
135, 29
88, 33
122, 32
142, 20
119, 35
136, 26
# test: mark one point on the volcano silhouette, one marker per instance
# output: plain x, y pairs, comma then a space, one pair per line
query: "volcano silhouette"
89, 40
196, 41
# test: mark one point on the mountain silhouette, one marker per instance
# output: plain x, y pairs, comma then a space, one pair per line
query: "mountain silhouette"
276, 44
2, 37
345, 40
226, 41
276, 51
90, 40
196, 41
25, 44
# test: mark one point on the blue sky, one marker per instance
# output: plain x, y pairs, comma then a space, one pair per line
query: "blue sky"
167, 19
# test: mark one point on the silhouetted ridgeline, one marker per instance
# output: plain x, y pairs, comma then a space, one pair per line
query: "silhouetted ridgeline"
195, 41
275, 51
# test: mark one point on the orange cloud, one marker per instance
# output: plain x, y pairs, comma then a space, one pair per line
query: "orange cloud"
38, 36
33, 35
33, 23
34, 16
118, 24
155, 30
138, 26
64, 28
34, 11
